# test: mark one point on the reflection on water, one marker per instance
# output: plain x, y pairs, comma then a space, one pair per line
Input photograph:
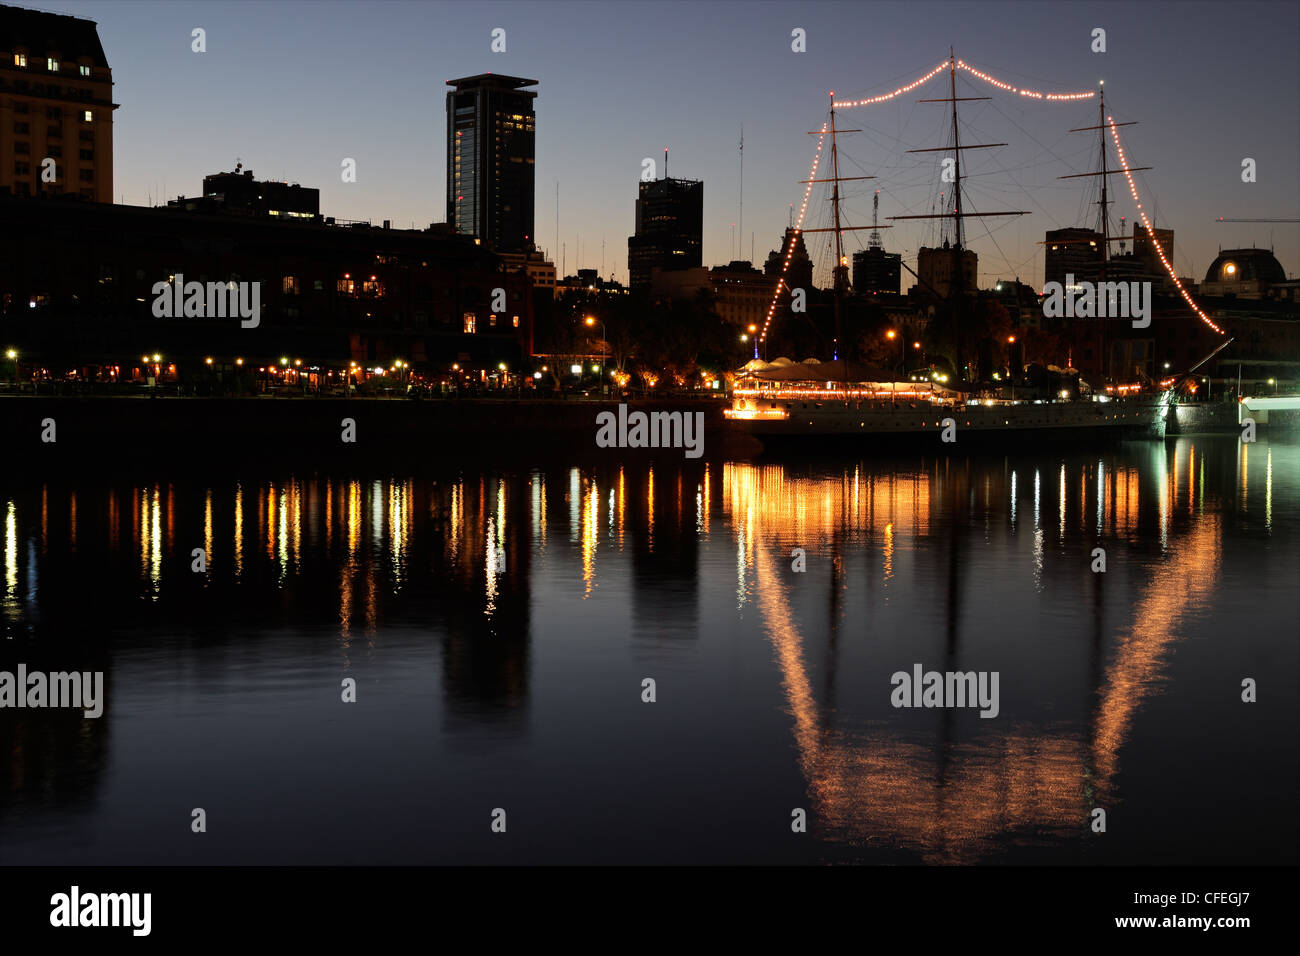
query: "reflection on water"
508, 606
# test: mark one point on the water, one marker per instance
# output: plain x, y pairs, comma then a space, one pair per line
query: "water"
499, 623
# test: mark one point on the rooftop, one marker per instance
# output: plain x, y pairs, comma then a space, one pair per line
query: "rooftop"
42, 33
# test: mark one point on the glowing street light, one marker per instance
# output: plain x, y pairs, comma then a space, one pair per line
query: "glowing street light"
11, 354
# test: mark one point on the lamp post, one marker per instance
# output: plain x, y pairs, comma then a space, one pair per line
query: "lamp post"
1011, 362
591, 321
893, 386
12, 355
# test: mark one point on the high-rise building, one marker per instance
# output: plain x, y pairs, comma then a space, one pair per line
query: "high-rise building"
491, 150
1073, 251
669, 229
56, 104
876, 271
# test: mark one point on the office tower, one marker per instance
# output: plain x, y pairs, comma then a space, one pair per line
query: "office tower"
491, 150
669, 229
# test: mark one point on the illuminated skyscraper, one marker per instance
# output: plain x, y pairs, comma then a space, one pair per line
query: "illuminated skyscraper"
491, 138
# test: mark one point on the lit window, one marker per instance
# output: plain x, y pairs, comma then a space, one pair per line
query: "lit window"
290, 285
20, 59
516, 320
85, 70
52, 64
470, 320
492, 321
87, 116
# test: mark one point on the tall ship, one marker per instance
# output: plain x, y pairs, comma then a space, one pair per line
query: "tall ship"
787, 400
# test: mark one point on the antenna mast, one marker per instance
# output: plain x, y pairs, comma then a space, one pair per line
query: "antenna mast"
740, 228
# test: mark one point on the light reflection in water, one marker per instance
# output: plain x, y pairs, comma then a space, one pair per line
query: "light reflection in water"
1268, 491
868, 783
11, 552
590, 529
1061, 506
958, 805
239, 530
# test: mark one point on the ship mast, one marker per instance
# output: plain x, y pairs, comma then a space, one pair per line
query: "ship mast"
1105, 218
837, 274
840, 273
956, 284
1105, 172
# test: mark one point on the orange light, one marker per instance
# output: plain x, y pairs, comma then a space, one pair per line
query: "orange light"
891, 335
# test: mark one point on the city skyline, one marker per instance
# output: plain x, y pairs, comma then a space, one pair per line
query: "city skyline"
611, 97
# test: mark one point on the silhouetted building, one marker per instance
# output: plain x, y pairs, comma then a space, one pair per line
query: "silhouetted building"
669, 229
799, 274
935, 269
1243, 273
56, 103
876, 271
1144, 248
742, 294
330, 294
1073, 251
240, 193
536, 266
491, 150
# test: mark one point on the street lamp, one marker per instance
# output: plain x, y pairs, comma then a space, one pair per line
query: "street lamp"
902, 349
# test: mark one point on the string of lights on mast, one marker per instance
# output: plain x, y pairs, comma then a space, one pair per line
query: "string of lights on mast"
1005, 87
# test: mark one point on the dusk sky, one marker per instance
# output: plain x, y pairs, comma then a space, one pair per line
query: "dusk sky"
292, 88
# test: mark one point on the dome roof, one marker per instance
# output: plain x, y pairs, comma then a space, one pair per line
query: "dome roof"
1245, 265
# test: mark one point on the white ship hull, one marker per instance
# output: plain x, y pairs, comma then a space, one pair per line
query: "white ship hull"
781, 419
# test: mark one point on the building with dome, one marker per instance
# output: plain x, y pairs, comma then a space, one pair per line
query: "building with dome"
1243, 274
